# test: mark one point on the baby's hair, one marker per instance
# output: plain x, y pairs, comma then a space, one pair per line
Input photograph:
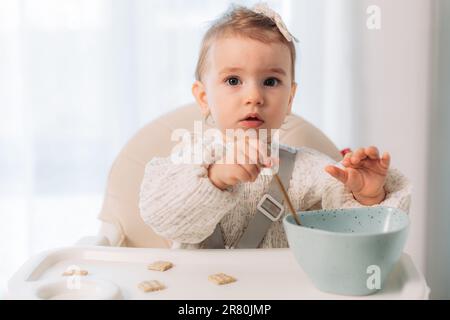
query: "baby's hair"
241, 21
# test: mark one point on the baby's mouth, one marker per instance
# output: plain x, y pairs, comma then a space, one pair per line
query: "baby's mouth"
252, 121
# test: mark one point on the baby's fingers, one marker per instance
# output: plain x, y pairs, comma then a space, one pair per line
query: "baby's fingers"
252, 169
373, 153
359, 155
385, 160
240, 174
346, 160
337, 173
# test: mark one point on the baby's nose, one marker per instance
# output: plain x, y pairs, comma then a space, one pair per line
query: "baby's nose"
254, 96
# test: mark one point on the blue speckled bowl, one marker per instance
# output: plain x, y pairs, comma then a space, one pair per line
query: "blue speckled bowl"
348, 251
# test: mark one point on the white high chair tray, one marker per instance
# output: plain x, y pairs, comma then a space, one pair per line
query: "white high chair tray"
115, 272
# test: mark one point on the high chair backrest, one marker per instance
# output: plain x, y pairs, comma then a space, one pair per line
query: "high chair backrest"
120, 204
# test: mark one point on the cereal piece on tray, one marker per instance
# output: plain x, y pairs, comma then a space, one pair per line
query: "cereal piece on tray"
152, 285
75, 272
221, 278
160, 266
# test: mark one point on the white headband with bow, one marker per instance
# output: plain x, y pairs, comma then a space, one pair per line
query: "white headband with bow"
263, 8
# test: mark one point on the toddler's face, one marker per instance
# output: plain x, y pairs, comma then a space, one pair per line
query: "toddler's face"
246, 77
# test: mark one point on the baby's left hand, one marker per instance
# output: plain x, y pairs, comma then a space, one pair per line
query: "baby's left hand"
364, 174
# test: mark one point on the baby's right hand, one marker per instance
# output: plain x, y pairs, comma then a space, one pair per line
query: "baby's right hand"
230, 174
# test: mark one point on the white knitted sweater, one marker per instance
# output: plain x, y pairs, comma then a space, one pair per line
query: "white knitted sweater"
180, 203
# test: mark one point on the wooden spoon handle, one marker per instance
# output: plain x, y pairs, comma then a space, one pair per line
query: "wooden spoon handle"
286, 197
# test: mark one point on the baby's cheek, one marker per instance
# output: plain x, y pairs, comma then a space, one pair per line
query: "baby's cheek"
276, 121
228, 117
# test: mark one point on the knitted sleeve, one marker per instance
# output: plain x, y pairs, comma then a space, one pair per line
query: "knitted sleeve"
180, 203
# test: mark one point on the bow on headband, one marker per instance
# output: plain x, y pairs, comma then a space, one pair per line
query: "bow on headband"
263, 8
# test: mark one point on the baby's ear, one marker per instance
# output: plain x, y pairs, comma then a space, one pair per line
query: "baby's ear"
199, 93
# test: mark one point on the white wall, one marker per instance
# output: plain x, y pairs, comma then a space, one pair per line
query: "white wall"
395, 99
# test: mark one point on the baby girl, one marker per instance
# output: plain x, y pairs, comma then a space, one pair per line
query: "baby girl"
245, 79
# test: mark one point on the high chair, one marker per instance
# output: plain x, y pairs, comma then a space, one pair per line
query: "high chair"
114, 264
121, 224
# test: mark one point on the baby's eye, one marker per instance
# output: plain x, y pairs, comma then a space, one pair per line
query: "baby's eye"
232, 81
271, 82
